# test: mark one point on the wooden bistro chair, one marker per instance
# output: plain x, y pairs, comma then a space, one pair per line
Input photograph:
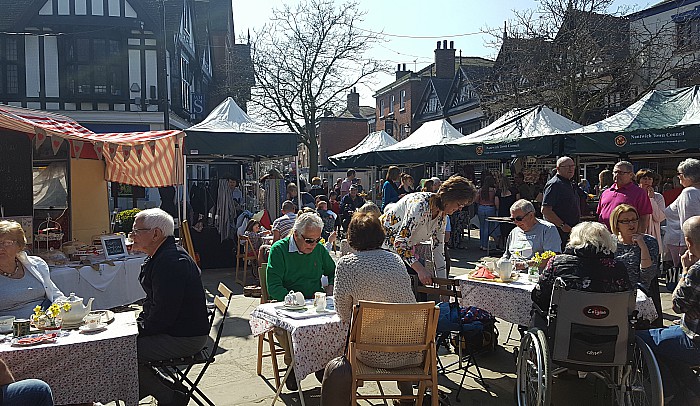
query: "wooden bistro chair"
179, 368
274, 348
394, 328
245, 253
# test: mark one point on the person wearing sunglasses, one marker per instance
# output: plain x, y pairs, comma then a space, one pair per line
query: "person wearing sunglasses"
624, 190
298, 262
531, 235
25, 281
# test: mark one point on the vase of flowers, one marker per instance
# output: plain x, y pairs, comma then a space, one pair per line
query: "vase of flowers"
536, 264
49, 320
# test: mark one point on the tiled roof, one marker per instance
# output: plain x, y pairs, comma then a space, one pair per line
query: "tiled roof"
366, 112
12, 10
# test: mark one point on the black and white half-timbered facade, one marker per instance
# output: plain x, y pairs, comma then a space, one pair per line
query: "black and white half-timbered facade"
112, 64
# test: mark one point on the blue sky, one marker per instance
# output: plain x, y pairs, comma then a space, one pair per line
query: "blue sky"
440, 19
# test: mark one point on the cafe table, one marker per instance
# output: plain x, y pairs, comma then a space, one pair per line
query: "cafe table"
512, 301
83, 368
315, 340
112, 283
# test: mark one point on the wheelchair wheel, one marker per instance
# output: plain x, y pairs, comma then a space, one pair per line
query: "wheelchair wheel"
641, 380
534, 381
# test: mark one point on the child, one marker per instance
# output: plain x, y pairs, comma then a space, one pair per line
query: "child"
328, 216
254, 234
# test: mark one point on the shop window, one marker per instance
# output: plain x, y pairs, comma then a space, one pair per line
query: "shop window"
94, 66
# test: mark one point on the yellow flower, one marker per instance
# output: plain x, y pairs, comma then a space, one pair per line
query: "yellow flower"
37, 310
66, 307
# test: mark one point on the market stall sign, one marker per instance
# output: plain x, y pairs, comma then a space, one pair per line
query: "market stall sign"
678, 138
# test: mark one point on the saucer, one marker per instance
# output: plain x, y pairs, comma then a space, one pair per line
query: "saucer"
294, 306
86, 329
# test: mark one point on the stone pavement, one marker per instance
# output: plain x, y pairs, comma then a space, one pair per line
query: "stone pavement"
232, 380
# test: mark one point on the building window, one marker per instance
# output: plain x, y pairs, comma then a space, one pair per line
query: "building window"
402, 100
9, 66
433, 104
688, 34
94, 67
381, 108
392, 100
186, 82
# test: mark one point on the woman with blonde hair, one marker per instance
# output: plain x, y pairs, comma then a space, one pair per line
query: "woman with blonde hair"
588, 263
638, 251
25, 281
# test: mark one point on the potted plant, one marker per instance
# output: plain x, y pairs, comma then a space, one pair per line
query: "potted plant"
124, 221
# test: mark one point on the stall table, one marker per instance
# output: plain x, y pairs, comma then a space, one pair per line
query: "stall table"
512, 301
315, 340
111, 285
83, 368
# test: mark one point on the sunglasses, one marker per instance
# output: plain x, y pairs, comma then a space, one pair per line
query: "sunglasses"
635, 221
7, 243
520, 218
310, 240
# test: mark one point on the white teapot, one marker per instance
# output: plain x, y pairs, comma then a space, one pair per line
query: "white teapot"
77, 309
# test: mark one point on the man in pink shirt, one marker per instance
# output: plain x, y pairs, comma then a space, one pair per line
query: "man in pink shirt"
624, 191
345, 186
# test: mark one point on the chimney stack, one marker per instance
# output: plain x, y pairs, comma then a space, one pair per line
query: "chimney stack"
401, 71
354, 102
445, 60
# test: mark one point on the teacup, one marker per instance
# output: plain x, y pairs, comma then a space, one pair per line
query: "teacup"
6, 323
92, 320
509, 276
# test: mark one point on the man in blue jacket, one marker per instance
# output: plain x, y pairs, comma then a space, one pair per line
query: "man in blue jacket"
174, 320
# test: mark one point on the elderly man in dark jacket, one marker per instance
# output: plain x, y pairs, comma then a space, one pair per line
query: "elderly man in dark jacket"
174, 320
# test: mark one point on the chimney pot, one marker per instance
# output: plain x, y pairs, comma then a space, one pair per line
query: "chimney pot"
398, 67
404, 67
444, 44
438, 45
452, 45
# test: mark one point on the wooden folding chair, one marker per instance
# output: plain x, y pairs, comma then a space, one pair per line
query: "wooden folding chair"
397, 328
245, 253
448, 289
179, 368
275, 348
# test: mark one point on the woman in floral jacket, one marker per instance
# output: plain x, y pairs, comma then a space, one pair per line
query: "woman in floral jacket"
588, 263
419, 217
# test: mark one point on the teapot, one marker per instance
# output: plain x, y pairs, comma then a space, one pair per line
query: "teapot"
77, 309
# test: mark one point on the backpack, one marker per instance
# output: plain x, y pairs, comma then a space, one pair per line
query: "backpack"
476, 326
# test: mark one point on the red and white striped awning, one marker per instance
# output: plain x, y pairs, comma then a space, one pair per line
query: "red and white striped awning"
148, 159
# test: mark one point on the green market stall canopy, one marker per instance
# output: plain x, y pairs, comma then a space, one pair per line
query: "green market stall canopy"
361, 155
518, 132
661, 121
229, 132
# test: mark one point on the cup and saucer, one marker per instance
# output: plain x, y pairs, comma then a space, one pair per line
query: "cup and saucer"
93, 323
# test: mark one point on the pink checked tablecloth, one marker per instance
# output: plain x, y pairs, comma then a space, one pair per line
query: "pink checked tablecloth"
83, 368
315, 340
512, 301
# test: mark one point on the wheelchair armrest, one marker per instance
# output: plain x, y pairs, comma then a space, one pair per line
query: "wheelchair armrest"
537, 310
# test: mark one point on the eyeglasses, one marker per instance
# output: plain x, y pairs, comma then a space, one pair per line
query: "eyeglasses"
617, 172
520, 218
635, 221
310, 240
567, 166
138, 230
7, 243
680, 174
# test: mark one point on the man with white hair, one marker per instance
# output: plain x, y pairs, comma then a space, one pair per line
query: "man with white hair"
298, 262
561, 204
436, 183
531, 235
677, 348
174, 320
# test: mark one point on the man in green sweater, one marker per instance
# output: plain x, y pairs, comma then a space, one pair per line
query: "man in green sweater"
298, 262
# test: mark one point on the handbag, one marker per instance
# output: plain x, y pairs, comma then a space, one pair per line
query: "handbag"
336, 387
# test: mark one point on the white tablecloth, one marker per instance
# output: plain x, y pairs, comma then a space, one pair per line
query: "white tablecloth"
315, 340
512, 301
111, 286
83, 368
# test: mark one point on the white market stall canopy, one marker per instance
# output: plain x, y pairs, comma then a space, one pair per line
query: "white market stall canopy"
426, 144
148, 159
519, 132
360, 155
228, 131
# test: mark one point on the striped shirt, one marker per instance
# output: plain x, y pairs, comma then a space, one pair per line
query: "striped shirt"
284, 224
686, 299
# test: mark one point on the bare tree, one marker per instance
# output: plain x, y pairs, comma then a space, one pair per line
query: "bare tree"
581, 59
305, 60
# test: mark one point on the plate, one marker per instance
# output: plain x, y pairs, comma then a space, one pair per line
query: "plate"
107, 317
294, 307
47, 338
86, 329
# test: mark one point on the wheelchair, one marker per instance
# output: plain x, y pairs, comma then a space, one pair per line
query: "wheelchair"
592, 333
